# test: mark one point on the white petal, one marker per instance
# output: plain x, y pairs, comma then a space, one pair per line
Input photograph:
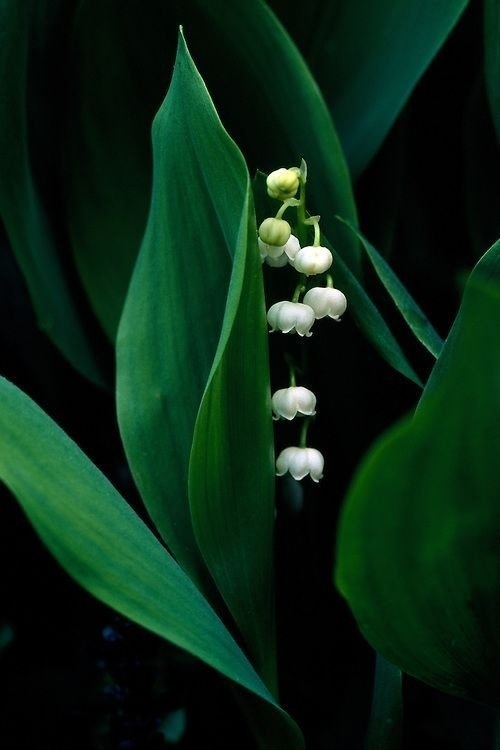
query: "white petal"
326, 301
292, 247
283, 461
272, 315
316, 463
278, 262
305, 400
305, 318
312, 260
283, 405
299, 464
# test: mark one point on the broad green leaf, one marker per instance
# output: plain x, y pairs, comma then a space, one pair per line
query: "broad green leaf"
492, 58
386, 718
173, 315
118, 76
300, 118
21, 210
418, 541
101, 542
368, 57
231, 473
411, 312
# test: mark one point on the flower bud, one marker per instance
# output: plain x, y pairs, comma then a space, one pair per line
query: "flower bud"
312, 260
300, 462
283, 183
326, 301
275, 254
289, 316
288, 402
275, 232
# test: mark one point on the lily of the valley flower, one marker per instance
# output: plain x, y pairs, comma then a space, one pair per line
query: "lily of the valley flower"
300, 462
312, 260
288, 402
326, 301
283, 183
291, 316
272, 253
275, 231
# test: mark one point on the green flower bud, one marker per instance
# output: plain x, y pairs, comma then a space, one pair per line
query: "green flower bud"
283, 183
275, 231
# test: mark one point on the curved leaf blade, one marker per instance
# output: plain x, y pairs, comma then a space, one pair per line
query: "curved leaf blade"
173, 315
418, 542
231, 472
368, 59
21, 210
103, 544
413, 316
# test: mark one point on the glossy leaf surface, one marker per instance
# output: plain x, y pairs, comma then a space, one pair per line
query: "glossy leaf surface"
173, 315
418, 542
231, 473
104, 545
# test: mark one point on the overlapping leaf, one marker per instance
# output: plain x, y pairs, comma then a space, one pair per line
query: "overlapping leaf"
231, 474
103, 544
198, 245
418, 543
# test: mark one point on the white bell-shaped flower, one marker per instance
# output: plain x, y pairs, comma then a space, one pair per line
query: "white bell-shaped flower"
291, 316
326, 301
312, 260
270, 251
300, 462
281, 253
288, 402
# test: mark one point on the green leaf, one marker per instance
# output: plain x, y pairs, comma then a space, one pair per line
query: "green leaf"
418, 541
117, 71
492, 58
181, 328
369, 318
104, 545
411, 312
174, 310
21, 210
386, 718
368, 57
300, 118
231, 474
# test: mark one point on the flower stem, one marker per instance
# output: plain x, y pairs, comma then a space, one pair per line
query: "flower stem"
299, 289
303, 433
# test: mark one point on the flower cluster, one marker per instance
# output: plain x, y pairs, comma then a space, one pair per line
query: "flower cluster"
279, 246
